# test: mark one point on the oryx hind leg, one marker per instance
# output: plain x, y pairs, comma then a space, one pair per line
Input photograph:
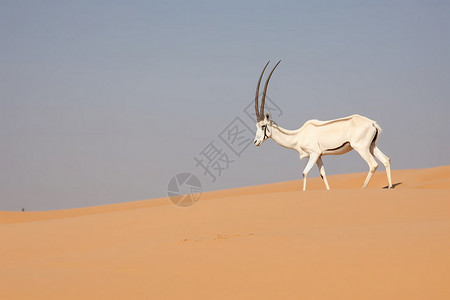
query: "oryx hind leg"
373, 165
384, 160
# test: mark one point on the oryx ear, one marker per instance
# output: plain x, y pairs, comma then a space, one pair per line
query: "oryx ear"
267, 116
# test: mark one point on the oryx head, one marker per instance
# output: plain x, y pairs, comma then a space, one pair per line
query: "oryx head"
263, 122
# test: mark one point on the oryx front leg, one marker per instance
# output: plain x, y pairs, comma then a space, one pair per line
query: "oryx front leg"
312, 160
322, 172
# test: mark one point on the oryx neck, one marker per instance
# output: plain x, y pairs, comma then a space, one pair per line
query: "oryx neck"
284, 137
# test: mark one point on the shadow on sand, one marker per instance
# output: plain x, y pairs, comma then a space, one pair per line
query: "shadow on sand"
393, 186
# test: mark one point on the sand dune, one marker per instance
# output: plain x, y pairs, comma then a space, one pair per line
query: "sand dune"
261, 242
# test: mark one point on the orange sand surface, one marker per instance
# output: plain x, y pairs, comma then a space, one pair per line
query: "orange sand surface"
261, 242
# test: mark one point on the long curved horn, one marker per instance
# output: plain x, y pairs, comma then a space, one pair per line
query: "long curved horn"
258, 117
265, 89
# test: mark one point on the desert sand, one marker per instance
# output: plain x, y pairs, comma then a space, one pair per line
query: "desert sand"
261, 242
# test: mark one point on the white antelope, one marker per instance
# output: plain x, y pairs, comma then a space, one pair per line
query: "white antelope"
317, 138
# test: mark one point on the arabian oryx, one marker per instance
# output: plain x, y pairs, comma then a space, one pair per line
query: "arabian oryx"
317, 138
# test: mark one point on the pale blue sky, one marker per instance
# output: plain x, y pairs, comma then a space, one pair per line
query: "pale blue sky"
105, 101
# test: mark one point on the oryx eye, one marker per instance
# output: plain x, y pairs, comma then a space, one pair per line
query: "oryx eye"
263, 127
